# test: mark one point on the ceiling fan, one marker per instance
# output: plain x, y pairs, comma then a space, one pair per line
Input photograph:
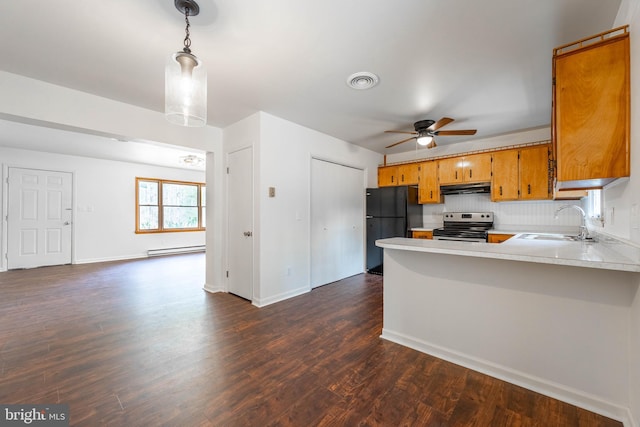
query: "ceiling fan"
425, 130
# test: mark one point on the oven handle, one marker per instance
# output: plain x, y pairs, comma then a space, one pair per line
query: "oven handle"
459, 239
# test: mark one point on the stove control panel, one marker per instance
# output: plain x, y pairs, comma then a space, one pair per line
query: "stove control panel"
468, 216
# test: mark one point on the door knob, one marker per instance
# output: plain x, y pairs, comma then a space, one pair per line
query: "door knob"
247, 233
66, 223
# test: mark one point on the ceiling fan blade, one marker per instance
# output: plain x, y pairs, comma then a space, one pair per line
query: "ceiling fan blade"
456, 132
400, 131
400, 142
442, 122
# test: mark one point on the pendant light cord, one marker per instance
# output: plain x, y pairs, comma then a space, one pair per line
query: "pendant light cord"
187, 40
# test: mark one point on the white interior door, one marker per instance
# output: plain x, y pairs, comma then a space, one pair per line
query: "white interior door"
337, 218
39, 218
240, 223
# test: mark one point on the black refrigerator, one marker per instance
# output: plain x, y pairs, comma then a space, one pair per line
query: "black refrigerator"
391, 212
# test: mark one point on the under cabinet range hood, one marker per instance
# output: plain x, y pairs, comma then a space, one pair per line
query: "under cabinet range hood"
476, 188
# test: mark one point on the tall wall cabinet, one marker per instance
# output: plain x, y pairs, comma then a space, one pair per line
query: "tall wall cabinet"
591, 103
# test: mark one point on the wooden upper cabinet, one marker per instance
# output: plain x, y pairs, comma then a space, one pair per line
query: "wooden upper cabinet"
408, 174
472, 168
451, 170
429, 187
521, 174
591, 110
504, 185
477, 168
535, 180
387, 176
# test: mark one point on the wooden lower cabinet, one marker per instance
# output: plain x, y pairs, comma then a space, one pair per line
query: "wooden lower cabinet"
422, 234
499, 238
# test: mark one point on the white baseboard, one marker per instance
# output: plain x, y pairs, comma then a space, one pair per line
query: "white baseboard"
258, 302
540, 385
213, 288
108, 259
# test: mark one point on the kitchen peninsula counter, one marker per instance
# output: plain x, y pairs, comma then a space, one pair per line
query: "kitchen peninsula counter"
551, 316
605, 254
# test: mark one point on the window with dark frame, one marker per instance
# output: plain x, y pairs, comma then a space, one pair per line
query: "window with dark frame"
164, 206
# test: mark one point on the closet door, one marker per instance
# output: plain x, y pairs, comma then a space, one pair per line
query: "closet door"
337, 221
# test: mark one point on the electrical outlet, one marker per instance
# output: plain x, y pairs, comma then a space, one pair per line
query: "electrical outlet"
272, 191
610, 216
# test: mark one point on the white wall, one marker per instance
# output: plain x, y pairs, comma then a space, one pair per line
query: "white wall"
240, 135
538, 215
530, 215
39, 103
104, 204
286, 150
624, 199
499, 141
556, 329
282, 153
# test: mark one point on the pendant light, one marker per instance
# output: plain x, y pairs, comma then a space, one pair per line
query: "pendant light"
185, 98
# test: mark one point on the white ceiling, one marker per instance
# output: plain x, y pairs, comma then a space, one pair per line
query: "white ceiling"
485, 63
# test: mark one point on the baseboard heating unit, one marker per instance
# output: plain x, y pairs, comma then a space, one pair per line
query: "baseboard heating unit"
175, 251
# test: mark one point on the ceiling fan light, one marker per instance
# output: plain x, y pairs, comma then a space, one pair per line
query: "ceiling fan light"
424, 139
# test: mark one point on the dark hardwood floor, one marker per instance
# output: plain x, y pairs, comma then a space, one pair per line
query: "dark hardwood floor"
139, 343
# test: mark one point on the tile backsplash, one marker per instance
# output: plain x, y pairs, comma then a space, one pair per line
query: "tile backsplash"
506, 214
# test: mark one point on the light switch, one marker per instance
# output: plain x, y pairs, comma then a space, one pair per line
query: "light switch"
272, 191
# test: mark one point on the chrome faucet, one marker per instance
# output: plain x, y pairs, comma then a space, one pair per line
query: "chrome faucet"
584, 232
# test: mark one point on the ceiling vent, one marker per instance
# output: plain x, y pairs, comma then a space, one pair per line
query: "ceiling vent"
362, 80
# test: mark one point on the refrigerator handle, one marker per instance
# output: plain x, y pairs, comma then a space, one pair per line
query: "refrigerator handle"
369, 216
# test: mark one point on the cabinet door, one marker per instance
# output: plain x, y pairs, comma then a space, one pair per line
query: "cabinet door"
408, 174
429, 187
477, 168
422, 234
450, 170
504, 183
534, 173
591, 114
499, 238
387, 176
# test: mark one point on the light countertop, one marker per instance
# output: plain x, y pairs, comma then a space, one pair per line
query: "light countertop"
606, 254
512, 229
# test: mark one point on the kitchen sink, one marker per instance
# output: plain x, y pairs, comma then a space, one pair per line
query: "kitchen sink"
545, 236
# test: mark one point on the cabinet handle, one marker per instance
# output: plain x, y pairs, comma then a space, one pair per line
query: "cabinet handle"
456, 174
528, 188
470, 172
431, 194
402, 177
501, 190
392, 178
